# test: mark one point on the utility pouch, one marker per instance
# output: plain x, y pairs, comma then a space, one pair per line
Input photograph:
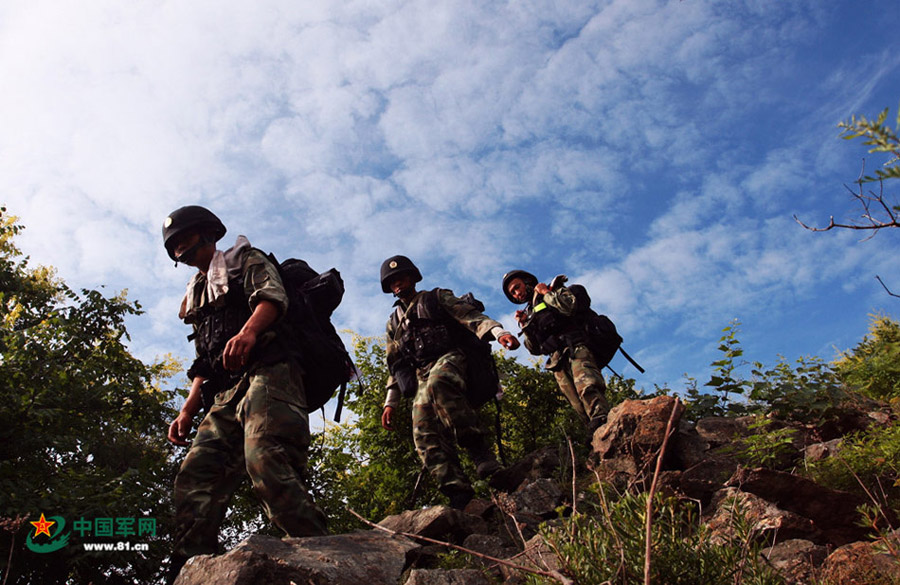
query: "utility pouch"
208, 391
406, 379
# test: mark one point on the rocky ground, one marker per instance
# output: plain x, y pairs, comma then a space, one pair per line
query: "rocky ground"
813, 530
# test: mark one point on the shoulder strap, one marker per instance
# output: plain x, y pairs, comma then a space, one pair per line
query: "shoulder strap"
395, 320
429, 307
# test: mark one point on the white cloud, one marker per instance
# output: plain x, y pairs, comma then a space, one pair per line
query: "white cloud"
657, 149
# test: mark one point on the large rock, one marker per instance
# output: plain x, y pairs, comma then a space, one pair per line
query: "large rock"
721, 430
773, 523
704, 479
833, 512
541, 497
820, 451
861, 562
541, 463
631, 438
447, 577
370, 558
437, 522
538, 555
796, 560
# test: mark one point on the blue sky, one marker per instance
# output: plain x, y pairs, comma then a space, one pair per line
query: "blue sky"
654, 151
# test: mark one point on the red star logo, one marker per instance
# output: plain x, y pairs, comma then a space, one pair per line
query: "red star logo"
42, 526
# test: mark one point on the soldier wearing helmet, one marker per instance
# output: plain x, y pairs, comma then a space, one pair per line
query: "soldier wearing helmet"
256, 421
551, 327
426, 335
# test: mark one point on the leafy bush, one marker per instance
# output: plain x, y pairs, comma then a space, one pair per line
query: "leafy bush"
608, 546
873, 366
82, 423
808, 392
766, 447
867, 464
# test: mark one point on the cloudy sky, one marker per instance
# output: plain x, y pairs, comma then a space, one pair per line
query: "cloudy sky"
653, 150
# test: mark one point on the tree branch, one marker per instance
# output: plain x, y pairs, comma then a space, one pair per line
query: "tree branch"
885, 287
649, 513
873, 221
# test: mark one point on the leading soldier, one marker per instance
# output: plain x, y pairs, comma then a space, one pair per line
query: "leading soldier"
552, 327
426, 337
256, 422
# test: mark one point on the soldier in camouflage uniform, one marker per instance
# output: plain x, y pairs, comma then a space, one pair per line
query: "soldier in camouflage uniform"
256, 422
552, 328
426, 361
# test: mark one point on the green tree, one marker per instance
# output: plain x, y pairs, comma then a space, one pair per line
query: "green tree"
82, 426
360, 465
873, 366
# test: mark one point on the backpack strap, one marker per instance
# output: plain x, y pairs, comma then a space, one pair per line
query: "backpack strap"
630, 359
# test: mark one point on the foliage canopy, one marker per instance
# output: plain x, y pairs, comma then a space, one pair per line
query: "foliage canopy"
82, 423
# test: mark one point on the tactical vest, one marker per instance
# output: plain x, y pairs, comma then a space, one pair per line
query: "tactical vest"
214, 326
549, 330
426, 333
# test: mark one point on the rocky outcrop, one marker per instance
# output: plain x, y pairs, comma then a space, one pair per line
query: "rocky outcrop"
812, 528
862, 562
370, 558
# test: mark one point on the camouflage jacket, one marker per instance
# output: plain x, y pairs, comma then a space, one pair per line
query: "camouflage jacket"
464, 313
241, 266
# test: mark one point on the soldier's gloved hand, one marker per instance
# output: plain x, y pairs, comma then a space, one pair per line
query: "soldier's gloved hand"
387, 417
521, 317
508, 341
237, 350
180, 429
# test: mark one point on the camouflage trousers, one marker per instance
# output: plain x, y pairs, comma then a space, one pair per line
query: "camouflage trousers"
261, 429
443, 418
582, 384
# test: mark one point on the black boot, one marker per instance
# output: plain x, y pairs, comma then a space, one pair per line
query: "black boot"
459, 497
595, 423
487, 468
176, 562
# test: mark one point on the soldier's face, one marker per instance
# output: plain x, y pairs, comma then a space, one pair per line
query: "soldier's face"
196, 257
400, 283
185, 242
518, 290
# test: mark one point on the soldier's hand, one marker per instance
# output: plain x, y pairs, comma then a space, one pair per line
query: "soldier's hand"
508, 341
521, 317
237, 350
387, 418
541, 288
180, 429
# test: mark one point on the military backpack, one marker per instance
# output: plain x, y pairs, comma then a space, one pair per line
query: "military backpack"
312, 298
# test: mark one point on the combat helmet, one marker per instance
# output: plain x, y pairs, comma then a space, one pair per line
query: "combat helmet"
528, 278
191, 217
397, 265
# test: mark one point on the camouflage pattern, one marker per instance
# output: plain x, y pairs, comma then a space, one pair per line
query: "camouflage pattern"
257, 427
575, 369
442, 417
440, 413
475, 321
261, 427
582, 384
